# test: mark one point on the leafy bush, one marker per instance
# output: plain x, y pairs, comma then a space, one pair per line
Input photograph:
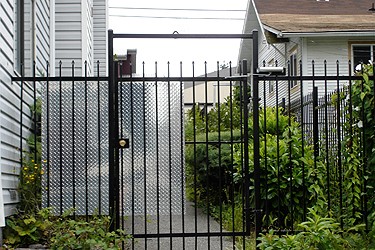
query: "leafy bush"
91, 234
318, 233
62, 232
288, 172
203, 168
30, 228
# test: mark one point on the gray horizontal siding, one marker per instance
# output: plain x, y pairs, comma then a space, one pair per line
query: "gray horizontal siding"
10, 104
100, 27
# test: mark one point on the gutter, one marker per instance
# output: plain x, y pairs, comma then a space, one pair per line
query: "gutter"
325, 34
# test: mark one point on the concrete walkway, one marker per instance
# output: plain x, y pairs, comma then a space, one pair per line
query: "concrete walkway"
202, 243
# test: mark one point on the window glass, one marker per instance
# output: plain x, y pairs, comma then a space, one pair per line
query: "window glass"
361, 54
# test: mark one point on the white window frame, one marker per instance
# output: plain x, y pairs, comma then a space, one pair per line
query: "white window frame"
293, 67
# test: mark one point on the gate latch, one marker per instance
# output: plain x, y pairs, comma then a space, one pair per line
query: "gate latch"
123, 143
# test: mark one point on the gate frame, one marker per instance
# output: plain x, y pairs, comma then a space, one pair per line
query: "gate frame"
114, 199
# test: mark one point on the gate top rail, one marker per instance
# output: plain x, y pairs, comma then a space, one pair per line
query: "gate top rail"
186, 36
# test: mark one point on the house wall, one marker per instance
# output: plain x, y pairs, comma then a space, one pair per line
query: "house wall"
74, 36
10, 104
278, 53
100, 27
317, 49
212, 92
332, 50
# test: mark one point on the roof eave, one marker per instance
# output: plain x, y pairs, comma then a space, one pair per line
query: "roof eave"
326, 34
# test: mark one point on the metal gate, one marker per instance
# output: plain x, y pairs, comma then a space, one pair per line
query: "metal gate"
147, 147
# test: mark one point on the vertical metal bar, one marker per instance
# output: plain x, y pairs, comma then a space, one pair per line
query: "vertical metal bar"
120, 105
132, 154
315, 118
219, 151
34, 116
315, 125
339, 164
99, 141
86, 153
47, 137
327, 134
182, 160
265, 147
243, 205
232, 152
302, 145
207, 155
117, 149
60, 139
157, 156
290, 149
195, 107
364, 156
279, 222
257, 168
21, 122
73, 142
170, 160
111, 131
246, 146
144, 154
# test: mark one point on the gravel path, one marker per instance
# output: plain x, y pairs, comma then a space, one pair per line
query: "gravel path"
177, 243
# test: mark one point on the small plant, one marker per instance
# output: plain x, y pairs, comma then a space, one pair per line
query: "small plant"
86, 234
319, 233
26, 229
62, 232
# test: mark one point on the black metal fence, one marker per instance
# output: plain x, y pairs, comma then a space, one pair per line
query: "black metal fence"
126, 146
320, 138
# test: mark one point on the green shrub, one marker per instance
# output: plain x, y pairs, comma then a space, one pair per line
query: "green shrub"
30, 228
318, 233
202, 168
285, 166
86, 234
62, 232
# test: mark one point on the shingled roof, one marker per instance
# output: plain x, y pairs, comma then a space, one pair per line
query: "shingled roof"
299, 16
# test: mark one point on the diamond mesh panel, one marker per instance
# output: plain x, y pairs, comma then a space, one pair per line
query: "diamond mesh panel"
152, 169
75, 146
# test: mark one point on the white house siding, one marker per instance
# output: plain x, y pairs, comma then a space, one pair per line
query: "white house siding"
100, 26
42, 37
72, 33
330, 49
10, 96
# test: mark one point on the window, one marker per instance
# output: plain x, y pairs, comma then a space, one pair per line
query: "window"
18, 35
363, 53
293, 68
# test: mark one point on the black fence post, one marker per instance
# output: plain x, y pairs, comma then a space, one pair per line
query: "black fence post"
111, 136
257, 170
